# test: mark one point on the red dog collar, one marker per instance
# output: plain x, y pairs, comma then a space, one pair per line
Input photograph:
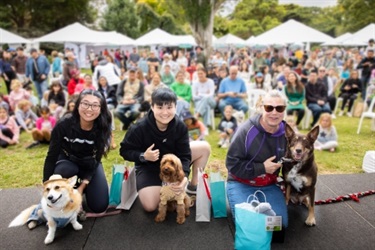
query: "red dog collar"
260, 181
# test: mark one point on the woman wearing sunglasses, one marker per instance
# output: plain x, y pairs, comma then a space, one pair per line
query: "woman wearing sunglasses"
252, 158
78, 143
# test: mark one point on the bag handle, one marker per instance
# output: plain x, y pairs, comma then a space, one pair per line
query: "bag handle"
255, 197
205, 177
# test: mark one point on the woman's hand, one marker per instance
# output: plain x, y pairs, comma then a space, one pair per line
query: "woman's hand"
178, 188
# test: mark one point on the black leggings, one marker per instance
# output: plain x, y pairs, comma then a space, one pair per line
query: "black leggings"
97, 195
300, 114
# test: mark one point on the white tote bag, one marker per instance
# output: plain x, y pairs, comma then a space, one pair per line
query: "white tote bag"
203, 201
129, 189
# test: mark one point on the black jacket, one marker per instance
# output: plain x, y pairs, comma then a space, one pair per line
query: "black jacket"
109, 94
144, 133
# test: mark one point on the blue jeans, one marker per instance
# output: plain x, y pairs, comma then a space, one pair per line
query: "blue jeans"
238, 104
41, 87
238, 193
203, 107
316, 110
364, 81
127, 113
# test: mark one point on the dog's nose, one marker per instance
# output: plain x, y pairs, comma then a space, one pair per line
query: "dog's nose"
50, 197
298, 151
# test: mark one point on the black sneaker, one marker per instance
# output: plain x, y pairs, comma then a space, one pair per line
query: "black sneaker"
190, 189
34, 144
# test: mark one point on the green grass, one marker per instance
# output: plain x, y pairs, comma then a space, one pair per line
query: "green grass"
22, 168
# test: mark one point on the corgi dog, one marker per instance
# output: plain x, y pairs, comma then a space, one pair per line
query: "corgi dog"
59, 206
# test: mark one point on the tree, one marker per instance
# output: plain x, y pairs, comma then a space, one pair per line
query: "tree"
37, 17
253, 17
122, 17
356, 14
200, 16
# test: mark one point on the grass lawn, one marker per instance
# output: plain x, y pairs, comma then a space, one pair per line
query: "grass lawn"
21, 168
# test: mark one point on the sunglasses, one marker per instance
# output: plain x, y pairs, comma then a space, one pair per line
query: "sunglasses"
270, 108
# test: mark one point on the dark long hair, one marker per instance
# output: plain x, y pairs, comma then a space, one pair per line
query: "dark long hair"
102, 124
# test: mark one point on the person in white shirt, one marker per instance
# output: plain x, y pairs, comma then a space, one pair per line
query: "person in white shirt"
203, 92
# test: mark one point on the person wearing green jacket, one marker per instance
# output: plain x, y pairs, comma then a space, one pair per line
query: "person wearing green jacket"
183, 92
295, 93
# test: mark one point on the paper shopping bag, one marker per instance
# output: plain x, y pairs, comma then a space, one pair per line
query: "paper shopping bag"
116, 185
218, 196
129, 189
203, 199
251, 233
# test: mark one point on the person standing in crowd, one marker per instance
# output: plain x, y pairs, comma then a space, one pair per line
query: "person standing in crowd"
316, 97
109, 70
19, 65
295, 93
367, 64
153, 61
130, 95
199, 56
252, 158
37, 69
69, 65
56, 64
6, 70
134, 58
233, 92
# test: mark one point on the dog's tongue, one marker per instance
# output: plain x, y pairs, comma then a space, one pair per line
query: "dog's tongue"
298, 156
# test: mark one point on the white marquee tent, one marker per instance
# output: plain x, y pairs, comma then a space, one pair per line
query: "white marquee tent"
10, 38
361, 37
292, 32
338, 40
156, 37
228, 40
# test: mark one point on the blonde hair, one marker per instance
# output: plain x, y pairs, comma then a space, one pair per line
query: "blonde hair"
15, 83
23, 103
327, 116
228, 107
290, 119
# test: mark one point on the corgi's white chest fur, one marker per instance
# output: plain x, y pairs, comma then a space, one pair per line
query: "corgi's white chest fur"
295, 179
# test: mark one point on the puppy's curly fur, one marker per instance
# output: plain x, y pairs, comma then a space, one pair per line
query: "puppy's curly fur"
171, 172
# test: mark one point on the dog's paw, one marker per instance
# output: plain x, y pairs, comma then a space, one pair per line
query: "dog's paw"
180, 220
77, 226
187, 212
310, 221
32, 224
159, 218
48, 239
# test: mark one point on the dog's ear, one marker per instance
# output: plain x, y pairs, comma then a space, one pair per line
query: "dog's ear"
313, 134
179, 172
289, 132
72, 181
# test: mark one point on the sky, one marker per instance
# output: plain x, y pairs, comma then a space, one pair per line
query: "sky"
310, 3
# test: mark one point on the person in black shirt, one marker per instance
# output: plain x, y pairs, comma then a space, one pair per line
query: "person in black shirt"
78, 143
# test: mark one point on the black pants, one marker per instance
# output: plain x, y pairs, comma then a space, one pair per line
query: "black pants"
332, 102
8, 133
97, 194
348, 97
300, 114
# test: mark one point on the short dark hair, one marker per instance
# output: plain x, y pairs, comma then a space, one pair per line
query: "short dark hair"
20, 48
163, 96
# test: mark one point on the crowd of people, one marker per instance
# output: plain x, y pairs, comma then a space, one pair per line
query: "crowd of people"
170, 97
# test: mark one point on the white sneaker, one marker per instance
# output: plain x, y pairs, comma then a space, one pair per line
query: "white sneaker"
225, 144
341, 113
333, 116
349, 114
221, 142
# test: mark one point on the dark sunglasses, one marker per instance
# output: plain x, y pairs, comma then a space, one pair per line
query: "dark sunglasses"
269, 108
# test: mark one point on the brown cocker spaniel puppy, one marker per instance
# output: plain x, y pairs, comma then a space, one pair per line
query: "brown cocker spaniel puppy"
170, 173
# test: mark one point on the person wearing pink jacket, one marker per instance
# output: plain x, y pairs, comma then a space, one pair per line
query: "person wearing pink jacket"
9, 130
43, 128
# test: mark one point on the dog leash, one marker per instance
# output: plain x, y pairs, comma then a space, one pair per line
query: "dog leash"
353, 196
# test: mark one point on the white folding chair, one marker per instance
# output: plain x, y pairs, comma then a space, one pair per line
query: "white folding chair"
368, 114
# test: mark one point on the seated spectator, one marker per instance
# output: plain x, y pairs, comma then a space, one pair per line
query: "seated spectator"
281, 79
196, 129
203, 92
108, 92
74, 81
166, 76
9, 130
130, 94
227, 127
87, 84
243, 72
155, 84
43, 128
150, 73
183, 92
330, 87
232, 92
327, 138
56, 100
25, 117
109, 69
316, 97
17, 94
33, 99
70, 107
349, 92
295, 93
142, 78
4, 103
259, 81
265, 70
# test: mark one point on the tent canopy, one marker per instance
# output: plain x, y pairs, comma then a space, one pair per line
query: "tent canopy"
361, 37
229, 39
156, 37
79, 34
292, 32
338, 40
10, 38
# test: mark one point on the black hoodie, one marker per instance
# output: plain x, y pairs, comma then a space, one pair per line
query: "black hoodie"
140, 136
251, 146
